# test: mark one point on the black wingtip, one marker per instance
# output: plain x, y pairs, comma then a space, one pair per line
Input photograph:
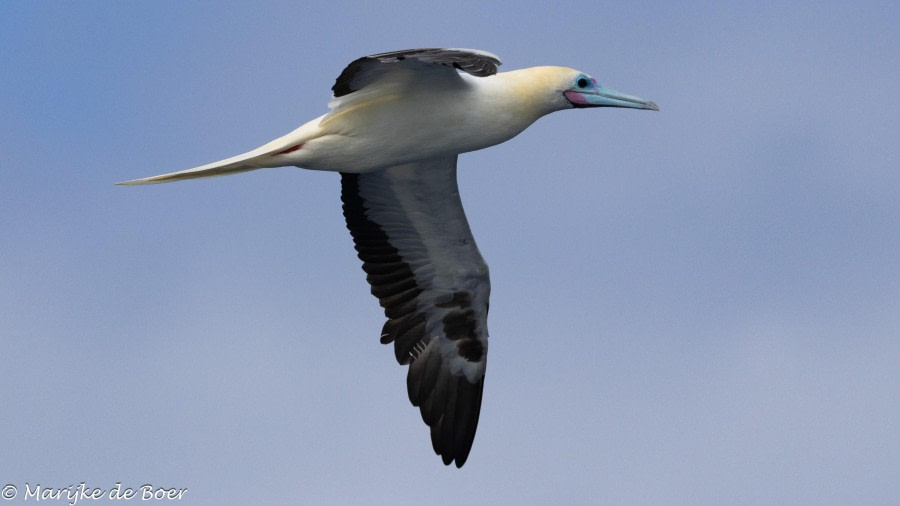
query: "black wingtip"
453, 434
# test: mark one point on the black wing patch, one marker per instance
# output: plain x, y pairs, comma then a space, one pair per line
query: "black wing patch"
355, 76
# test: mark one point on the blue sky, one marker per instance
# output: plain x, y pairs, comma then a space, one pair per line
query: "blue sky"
696, 306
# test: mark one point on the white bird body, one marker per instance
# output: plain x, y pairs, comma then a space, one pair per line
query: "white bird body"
397, 124
409, 121
404, 120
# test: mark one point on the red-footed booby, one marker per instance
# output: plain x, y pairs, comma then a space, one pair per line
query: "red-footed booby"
397, 123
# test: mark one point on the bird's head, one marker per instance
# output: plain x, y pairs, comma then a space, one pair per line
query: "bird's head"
564, 88
582, 90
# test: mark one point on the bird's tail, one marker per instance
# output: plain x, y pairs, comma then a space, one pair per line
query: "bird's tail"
273, 154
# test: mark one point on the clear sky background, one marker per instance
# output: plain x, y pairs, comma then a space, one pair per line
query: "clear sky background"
696, 306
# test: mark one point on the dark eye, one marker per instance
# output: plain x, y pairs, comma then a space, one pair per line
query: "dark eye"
582, 82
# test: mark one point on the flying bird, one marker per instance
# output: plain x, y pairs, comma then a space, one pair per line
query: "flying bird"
397, 123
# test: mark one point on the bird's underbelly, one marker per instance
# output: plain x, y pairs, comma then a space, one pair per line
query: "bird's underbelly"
364, 154
375, 138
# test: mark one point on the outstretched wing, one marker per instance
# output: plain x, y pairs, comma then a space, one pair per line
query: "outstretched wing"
418, 253
368, 69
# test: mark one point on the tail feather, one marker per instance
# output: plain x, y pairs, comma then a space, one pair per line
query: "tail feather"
241, 163
273, 154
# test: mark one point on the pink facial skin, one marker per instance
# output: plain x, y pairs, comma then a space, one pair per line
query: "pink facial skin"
575, 97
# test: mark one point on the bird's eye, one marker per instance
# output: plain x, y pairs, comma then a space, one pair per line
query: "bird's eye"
582, 82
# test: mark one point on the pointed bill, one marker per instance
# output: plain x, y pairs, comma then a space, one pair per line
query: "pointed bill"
605, 97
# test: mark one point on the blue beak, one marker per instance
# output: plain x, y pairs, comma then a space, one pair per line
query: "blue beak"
604, 97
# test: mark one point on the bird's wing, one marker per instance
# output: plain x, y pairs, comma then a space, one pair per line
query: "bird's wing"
412, 235
369, 69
